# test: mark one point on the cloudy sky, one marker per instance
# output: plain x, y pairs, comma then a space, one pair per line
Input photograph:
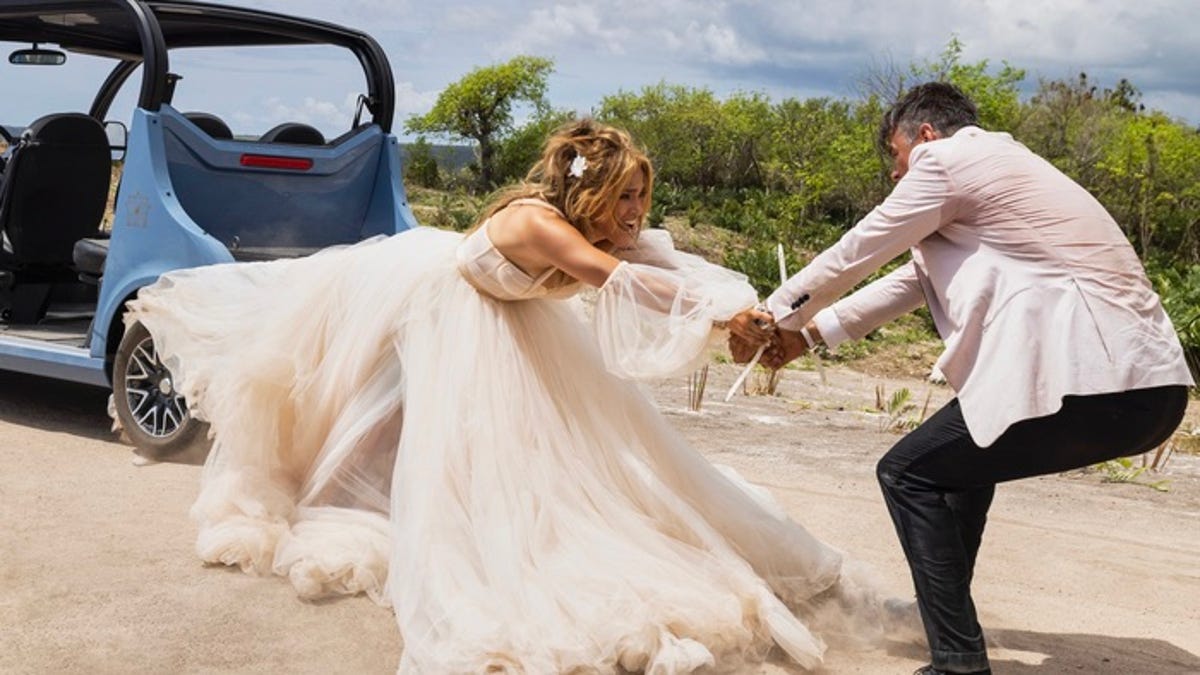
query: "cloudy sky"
784, 48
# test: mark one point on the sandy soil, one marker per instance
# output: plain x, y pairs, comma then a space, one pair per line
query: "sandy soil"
1076, 575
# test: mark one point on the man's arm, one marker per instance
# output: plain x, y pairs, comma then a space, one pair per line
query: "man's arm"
920, 204
873, 305
853, 317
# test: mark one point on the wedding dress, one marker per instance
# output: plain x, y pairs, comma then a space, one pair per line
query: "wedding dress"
416, 419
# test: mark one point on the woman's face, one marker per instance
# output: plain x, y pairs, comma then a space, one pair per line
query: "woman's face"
627, 217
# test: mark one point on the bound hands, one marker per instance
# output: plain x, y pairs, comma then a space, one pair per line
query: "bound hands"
749, 330
786, 346
752, 328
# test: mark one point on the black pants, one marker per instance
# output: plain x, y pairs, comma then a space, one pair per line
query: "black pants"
938, 486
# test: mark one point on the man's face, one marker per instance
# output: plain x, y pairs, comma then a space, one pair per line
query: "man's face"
901, 147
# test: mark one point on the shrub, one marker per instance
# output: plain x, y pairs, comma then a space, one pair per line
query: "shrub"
422, 168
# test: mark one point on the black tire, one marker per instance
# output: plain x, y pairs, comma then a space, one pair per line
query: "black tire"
153, 414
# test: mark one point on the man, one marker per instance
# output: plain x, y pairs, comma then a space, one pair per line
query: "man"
1057, 347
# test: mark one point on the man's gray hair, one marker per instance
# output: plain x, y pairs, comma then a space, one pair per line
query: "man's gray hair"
940, 104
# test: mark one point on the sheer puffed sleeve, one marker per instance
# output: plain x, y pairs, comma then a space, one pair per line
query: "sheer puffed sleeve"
654, 316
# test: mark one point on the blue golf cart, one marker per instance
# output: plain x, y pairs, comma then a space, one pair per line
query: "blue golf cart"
189, 192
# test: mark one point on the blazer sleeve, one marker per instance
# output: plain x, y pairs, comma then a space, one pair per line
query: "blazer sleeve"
919, 204
880, 301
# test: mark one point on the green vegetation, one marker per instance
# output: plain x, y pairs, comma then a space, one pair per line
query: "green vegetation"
898, 410
422, 167
1122, 470
479, 107
448, 210
802, 172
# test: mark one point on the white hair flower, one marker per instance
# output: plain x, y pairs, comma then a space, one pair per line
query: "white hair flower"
578, 166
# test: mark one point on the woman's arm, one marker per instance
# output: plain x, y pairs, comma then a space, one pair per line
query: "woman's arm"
534, 238
556, 243
564, 247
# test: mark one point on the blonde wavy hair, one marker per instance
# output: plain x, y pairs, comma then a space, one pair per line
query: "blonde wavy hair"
589, 200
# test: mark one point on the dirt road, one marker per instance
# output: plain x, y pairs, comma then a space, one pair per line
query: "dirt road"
98, 572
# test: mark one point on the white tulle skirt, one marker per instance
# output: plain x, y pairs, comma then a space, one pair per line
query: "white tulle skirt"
381, 427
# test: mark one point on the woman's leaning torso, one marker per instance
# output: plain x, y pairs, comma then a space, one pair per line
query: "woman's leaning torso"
490, 271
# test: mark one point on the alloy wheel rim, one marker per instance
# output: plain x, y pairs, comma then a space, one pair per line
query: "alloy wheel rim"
155, 404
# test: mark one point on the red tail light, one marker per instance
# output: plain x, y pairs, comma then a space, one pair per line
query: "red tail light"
277, 162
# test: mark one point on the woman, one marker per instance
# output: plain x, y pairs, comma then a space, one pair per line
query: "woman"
427, 421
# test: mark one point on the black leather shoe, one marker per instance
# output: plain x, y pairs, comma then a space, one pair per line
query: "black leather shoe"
930, 670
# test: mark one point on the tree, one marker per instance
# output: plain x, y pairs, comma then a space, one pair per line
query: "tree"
744, 137
1125, 96
678, 125
996, 96
822, 152
694, 138
1067, 122
518, 151
883, 80
479, 107
422, 166
1148, 180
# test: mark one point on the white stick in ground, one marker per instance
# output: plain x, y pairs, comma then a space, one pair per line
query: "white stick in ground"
782, 263
758, 355
745, 371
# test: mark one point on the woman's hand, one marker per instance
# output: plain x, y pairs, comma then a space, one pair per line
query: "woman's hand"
740, 350
752, 326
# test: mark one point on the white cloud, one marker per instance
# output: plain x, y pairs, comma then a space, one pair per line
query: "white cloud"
791, 48
410, 101
312, 111
483, 17
797, 45
1097, 33
719, 44
568, 27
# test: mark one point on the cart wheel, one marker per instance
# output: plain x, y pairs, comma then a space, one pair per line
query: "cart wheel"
153, 413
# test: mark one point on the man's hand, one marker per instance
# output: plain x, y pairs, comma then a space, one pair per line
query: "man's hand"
785, 347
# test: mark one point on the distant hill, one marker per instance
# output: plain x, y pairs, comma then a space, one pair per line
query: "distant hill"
449, 157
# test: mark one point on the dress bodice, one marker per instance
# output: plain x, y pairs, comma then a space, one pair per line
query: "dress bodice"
485, 268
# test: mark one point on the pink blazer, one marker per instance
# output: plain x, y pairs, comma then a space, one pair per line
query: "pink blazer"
1032, 285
